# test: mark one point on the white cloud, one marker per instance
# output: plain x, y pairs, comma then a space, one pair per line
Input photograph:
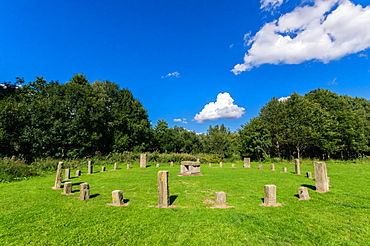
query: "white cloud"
271, 4
224, 107
325, 31
174, 74
283, 99
183, 121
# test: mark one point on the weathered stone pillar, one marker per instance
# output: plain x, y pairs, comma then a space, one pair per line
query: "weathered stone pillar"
103, 169
309, 175
220, 199
171, 164
321, 177
78, 173
115, 166
232, 165
270, 196
247, 162
67, 188
128, 166
272, 167
58, 177
209, 164
303, 193
84, 191
142, 160
117, 198
89, 167
260, 166
221, 164
163, 192
285, 170
297, 167
157, 165
67, 174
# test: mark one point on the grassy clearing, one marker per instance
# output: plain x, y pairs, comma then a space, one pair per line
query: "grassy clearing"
32, 213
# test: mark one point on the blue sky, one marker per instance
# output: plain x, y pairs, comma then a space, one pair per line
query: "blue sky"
178, 57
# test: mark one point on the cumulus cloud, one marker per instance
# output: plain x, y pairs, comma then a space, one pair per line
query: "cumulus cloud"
224, 107
325, 31
174, 74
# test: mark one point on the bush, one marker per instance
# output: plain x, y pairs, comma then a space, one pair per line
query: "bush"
15, 169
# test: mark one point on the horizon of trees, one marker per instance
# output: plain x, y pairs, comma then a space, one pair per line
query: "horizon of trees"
82, 119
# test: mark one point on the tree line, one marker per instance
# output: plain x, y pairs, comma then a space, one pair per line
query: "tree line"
320, 124
83, 119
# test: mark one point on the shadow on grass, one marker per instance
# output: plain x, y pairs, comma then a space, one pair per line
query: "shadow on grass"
126, 200
311, 187
95, 195
78, 183
173, 199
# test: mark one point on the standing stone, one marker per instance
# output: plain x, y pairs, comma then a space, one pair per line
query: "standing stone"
157, 165
142, 160
221, 164
260, 166
247, 162
163, 192
89, 167
232, 165
272, 167
209, 164
128, 166
78, 173
115, 166
321, 177
285, 170
198, 160
220, 199
309, 175
303, 193
117, 198
67, 174
171, 164
67, 188
103, 169
84, 191
270, 196
58, 177
297, 167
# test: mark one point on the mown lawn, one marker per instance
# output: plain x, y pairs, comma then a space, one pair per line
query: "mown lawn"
31, 213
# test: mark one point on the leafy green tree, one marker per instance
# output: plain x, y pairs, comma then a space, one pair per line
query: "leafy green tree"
272, 114
219, 141
255, 139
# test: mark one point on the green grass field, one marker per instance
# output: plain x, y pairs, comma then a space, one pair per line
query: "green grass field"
31, 213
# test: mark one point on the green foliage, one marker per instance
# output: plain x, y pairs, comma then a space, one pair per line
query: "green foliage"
74, 119
219, 140
12, 169
320, 124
